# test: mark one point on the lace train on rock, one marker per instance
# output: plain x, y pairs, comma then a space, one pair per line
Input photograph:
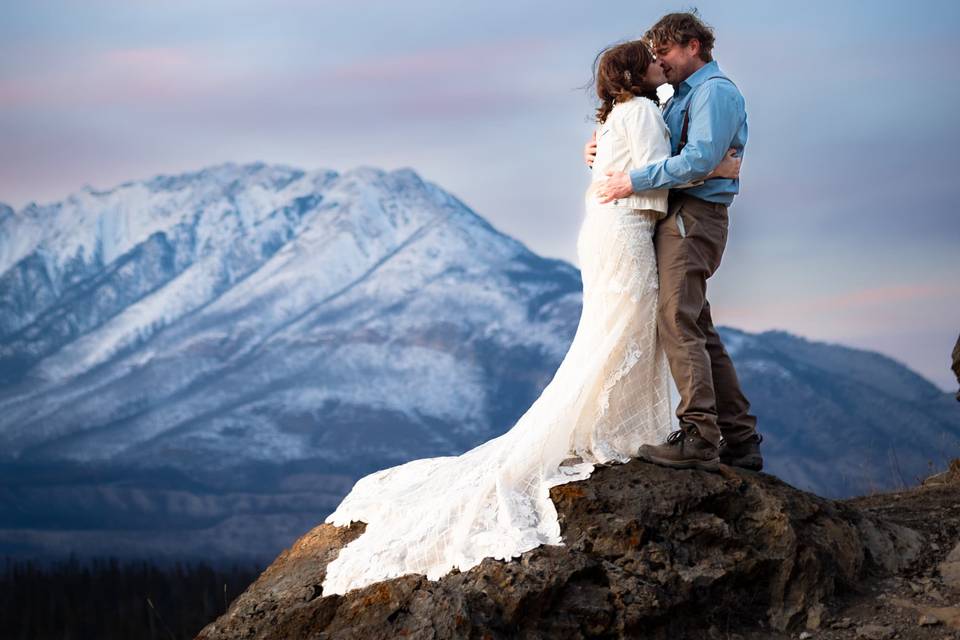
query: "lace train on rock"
610, 395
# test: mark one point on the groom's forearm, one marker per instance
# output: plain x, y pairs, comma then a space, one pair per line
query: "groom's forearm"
692, 165
662, 176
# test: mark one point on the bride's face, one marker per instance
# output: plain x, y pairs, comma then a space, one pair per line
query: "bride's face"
654, 76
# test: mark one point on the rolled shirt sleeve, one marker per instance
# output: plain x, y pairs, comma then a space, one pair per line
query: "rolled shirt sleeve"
716, 113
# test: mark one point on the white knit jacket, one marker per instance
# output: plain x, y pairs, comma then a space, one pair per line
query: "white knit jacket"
633, 136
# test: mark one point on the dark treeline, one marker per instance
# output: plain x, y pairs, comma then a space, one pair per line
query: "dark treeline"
106, 599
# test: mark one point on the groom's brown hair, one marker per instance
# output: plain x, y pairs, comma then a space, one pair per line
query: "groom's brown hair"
681, 28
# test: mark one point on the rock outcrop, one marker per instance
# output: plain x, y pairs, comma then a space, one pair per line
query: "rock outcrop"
955, 364
649, 552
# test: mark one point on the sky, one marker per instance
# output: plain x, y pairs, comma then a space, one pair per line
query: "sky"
846, 228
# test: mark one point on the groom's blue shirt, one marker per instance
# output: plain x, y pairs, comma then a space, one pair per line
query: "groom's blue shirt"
718, 121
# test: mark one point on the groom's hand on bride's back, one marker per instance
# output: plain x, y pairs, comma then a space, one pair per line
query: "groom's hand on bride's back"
590, 150
729, 167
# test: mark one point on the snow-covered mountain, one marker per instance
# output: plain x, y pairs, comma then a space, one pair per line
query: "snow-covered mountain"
202, 364
258, 312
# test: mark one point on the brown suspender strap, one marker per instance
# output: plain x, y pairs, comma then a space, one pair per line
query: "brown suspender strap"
686, 115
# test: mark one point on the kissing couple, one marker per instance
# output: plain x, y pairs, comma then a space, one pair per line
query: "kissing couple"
654, 230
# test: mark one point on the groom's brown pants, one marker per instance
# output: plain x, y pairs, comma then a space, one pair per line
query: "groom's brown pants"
689, 243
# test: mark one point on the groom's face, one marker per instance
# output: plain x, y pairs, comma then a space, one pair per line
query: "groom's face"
678, 61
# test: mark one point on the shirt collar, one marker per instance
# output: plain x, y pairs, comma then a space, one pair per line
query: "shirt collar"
701, 74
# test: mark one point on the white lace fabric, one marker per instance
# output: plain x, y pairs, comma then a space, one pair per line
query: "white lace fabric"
609, 395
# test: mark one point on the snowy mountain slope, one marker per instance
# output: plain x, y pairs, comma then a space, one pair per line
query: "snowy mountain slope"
215, 314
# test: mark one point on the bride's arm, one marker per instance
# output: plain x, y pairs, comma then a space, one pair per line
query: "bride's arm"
650, 143
646, 134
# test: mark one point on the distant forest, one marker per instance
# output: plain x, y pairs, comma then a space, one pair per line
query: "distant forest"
106, 599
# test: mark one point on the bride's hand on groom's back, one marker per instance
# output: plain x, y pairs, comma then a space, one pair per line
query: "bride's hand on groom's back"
729, 167
590, 150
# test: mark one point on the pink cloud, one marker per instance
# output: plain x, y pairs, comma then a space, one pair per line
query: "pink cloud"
149, 60
438, 82
118, 76
877, 296
155, 73
849, 301
848, 314
19, 92
456, 61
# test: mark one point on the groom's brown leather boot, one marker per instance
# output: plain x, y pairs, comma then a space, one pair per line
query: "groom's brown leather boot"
745, 454
684, 449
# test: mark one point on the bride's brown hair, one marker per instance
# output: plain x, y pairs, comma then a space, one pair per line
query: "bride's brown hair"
618, 75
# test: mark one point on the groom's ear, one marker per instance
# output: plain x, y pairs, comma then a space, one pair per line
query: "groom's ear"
693, 47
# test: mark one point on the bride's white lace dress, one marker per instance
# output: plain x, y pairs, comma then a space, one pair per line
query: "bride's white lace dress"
608, 396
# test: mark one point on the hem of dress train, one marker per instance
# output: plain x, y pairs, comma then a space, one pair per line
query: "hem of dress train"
340, 522
503, 558
581, 471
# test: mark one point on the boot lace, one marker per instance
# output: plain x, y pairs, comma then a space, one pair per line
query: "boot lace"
676, 436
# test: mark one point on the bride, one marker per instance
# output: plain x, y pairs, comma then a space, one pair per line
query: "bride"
609, 396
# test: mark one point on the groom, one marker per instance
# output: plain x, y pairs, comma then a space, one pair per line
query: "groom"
706, 116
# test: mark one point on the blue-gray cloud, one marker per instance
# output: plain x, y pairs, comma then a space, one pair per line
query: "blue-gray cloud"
846, 228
